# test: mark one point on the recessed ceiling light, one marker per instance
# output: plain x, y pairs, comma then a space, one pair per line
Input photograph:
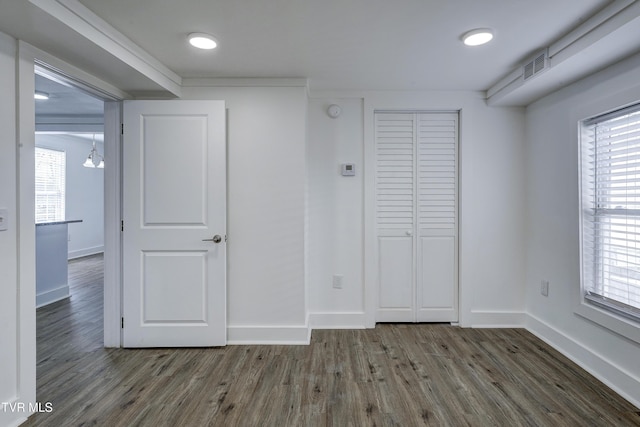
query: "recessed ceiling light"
41, 95
202, 41
477, 37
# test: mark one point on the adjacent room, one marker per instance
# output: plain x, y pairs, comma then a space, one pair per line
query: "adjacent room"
320, 213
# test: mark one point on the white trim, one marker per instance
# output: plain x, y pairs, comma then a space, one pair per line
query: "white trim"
622, 382
25, 222
613, 101
49, 297
371, 276
82, 20
346, 320
85, 252
497, 319
419, 101
371, 273
268, 335
29, 55
244, 82
617, 324
90, 82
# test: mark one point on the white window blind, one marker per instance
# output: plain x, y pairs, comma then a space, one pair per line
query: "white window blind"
50, 185
610, 147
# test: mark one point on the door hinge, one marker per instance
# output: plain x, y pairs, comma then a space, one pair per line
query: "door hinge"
122, 225
122, 323
121, 128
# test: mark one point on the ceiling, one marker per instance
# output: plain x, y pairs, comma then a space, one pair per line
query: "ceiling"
65, 100
354, 44
335, 44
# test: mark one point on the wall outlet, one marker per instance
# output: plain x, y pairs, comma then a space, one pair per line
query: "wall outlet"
337, 281
544, 288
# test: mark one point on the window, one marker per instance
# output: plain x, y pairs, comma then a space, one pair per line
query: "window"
610, 147
50, 185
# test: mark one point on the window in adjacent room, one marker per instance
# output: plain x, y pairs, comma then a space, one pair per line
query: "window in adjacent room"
50, 185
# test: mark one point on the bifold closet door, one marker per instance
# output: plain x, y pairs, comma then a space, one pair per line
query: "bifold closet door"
395, 211
437, 228
416, 216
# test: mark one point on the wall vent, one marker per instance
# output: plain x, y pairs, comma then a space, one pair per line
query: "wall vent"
539, 63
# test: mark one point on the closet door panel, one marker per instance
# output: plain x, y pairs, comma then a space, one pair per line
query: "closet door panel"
395, 297
437, 172
436, 279
395, 216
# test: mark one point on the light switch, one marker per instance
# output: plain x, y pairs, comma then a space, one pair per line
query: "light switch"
4, 219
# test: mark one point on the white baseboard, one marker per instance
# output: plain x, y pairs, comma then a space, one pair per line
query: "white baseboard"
85, 252
52, 296
497, 319
268, 335
623, 383
345, 320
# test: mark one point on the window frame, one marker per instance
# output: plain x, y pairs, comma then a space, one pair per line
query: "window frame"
589, 307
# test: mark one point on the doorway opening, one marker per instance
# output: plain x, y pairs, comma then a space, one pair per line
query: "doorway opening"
77, 208
69, 189
70, 206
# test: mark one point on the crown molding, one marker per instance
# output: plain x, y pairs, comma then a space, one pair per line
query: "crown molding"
244, 82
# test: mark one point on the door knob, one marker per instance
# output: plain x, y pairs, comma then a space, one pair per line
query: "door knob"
408, 233
215, 239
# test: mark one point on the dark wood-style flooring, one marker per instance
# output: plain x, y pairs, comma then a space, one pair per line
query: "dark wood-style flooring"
393, 375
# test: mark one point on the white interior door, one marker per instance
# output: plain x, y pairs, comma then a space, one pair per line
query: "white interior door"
174, 199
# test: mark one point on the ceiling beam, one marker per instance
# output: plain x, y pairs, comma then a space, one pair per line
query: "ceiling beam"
79, 18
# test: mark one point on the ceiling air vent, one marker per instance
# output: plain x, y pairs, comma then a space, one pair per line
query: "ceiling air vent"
539, 63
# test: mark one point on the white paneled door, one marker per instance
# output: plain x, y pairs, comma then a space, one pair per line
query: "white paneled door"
416, 216
174, 224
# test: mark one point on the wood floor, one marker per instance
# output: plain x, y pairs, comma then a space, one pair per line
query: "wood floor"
393, 375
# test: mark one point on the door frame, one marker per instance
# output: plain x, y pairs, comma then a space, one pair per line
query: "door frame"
30, 61
412, 103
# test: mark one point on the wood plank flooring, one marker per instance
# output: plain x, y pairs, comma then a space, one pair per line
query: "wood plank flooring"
393, 375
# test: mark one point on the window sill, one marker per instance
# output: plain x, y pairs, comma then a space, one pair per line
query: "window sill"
618, 324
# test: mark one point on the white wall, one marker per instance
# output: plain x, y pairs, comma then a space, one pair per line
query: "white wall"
491, 206
266, 136
17, 382
84, 193
8, 256
553, 227
335, 212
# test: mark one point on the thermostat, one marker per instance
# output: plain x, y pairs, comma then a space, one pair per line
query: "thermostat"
348, 169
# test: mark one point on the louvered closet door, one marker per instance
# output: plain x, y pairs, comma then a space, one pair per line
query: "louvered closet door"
437, 228
395, 159
416, 216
